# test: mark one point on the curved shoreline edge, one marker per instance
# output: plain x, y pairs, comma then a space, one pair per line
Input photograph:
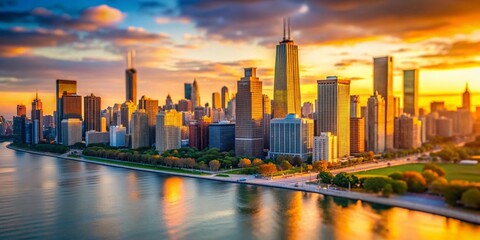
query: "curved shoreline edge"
392, 202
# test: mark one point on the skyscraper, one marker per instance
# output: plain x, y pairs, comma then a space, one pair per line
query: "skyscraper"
126, 110
286, 90
307, 110
168, 103
187, 89
437, 106
267, 116
168, 130
21, 110
62, 87
357, 134
407, 132
383, 84
216, 103
131, 78
466, 103
71, 106
91, 111
198, 134
376, 123
225, 97
151, 108
333, 111
249, 112
354, 106
139, 129
410, 92
37, 120
222, 136
71, 131
195, 95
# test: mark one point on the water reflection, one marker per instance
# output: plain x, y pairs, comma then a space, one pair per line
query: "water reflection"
173, 210
47, 198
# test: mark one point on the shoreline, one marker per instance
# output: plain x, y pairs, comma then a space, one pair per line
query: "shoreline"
391, 202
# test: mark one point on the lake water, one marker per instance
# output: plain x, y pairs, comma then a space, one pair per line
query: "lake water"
50, 198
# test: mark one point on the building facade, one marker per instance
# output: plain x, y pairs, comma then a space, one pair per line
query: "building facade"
72, 131
225, 97
117, 136
222, 136
91, 110
140, 136
333, 111
376, 123
151, 108
130, 78
286, 87
325, 148
249, 111
169, 129
357, 134
383, 84
63, 87
410, 92
291, 136
408, 132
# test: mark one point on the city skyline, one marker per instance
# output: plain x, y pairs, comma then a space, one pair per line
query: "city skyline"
172, 49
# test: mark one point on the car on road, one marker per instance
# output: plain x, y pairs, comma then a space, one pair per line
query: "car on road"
242, 180
296, 184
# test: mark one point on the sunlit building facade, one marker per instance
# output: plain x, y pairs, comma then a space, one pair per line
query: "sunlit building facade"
383, 84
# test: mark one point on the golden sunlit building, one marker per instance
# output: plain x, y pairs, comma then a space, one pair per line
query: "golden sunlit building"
410, 92
168, 130
286, 88
383, 84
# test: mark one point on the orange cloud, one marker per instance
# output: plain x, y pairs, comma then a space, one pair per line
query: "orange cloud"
102, 15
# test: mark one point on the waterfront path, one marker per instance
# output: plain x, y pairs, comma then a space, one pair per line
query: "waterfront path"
396, 201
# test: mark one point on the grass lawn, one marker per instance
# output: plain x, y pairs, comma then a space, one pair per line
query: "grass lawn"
454, 171
131, 164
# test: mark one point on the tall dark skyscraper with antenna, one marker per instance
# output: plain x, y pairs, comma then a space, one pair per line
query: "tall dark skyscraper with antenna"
131, 78
286, 89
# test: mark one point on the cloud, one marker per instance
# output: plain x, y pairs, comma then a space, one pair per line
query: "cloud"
89, 19
447, 65
333, 22
166, 20
348, 62
18, 41
129, 36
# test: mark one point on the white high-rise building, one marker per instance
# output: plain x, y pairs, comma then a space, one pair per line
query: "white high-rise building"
117, 136
291, 136
325, 147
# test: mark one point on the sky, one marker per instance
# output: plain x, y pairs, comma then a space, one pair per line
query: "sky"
179, 40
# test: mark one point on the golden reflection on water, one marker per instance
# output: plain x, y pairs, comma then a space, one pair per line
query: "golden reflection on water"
174, 210
132, 186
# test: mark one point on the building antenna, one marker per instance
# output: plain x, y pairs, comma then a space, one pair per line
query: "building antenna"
288, 22
284, 27
36, 93
133, 58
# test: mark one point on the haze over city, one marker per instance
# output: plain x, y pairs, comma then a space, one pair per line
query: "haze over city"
212, 41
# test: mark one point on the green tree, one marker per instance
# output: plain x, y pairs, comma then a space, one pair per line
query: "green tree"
285, 165
344, 179
375, 184
325, 177
387, 190
190, 162
214, 165
434, 168
429, 176
471, 198
296, 161
415, 181
438, 186
399, 186
396, 175
454, 190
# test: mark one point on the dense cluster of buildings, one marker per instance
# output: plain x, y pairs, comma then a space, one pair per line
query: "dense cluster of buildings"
336, 127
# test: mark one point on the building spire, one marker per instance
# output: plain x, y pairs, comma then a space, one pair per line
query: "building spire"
36, 93
466, 88
288, 27
284, 28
